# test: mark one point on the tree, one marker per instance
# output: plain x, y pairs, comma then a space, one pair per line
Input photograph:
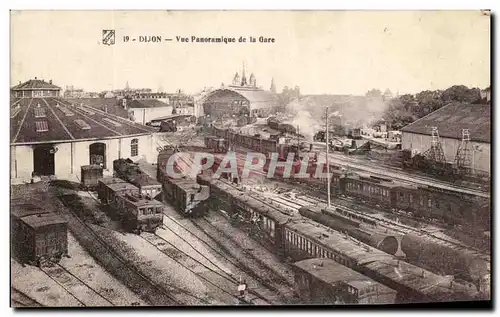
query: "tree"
374, 93
460, 93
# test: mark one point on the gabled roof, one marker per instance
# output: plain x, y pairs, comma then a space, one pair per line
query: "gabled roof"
36, 84
46, 120
452, 118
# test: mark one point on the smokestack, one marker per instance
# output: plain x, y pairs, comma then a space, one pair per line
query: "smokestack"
423, 273
36, 78
50, 81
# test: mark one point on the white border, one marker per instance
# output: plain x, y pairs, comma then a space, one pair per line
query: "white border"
200, 4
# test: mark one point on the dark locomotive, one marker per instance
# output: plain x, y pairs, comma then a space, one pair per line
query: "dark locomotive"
137, 212
37, 235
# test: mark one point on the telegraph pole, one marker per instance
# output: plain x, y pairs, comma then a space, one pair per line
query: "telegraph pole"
327, 161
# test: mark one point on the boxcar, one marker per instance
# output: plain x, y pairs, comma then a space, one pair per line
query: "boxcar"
139, 213
38, 235
148, 186
90, 176
323, 281
187, 196
218, 145
109, 187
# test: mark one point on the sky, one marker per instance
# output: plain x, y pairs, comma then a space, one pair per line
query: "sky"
323, 52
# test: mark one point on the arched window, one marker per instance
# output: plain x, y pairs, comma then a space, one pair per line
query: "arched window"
134, 147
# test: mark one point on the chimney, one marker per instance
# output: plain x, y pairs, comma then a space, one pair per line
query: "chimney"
50, 81
423, 273
36, 78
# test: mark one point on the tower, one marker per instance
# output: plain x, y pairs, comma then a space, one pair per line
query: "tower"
463, 157
127, 86
236, 79
253, 81
273, 86
435, 154
243, 77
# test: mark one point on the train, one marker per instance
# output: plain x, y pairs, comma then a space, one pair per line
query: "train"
38, 236
188, 197
295, 237
321, 281
136, 211
333, 218
217, 145
284, 128
338, 131
266, 146
129, 171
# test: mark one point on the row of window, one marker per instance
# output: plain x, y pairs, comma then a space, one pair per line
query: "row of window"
368, 188
313, 249
401, 198
267, 224
150, 210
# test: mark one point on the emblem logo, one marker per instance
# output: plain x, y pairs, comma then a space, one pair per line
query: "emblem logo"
108, 37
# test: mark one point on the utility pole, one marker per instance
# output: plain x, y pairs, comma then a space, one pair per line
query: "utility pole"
327, 161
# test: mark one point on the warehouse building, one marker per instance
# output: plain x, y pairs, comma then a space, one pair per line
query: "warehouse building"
451, 121
51, 137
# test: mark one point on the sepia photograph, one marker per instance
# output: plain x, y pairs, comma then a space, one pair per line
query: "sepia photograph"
250, 158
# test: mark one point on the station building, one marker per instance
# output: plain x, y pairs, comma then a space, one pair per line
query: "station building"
241, 98
53, 137
450, 121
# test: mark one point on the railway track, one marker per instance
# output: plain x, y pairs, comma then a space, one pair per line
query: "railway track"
408, 179
227, 276
194, 266
81, 291
250, 267
261, 291
20, 299
141, 284
389, 224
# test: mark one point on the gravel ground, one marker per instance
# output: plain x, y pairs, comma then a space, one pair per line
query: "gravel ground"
82, 265
34, 283
185, 286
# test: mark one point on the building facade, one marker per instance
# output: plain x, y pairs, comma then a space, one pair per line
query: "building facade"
53, 137
35, 88
242, 98
451, 122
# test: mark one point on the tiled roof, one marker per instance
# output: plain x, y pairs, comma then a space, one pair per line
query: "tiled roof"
44, 120
36, 84
146, 103
452, 118
105, 104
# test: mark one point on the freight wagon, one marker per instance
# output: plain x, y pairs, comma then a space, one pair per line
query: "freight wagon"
321, 281
38, 235
188, 197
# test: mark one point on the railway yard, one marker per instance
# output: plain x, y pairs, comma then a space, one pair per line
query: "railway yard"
240, 249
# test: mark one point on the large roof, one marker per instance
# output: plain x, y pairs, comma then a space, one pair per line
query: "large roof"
36, 84
146, 103
50, 120
452, 118
254, 95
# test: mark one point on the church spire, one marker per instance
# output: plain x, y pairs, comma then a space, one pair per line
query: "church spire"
273, 86
243, 77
